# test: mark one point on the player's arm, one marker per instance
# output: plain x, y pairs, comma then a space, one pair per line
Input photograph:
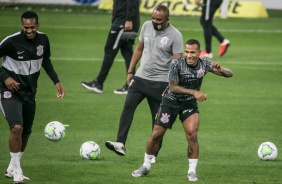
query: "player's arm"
177, 55
222, 71
11, 84
134, 60
130, 12
175, 88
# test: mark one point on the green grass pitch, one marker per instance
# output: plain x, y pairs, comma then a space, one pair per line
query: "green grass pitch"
240, 113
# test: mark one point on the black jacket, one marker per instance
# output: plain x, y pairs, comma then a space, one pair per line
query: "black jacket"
22, 60
126, 10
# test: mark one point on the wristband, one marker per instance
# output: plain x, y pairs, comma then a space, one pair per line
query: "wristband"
130, 72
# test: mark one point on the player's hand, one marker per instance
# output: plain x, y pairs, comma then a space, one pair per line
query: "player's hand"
216, 67
61, 91
11, 84
129, 78
200, 96
128, 26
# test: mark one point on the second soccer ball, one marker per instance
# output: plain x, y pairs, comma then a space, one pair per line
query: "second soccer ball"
90, 150
54, 131
267, 151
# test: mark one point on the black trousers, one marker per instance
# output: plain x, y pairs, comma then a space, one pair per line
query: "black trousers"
137, 92
206, 20
124, 45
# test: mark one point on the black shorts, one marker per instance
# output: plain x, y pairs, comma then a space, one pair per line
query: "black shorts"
169, 110
18, 111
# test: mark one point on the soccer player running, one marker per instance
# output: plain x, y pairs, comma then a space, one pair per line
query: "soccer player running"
180, 98
159, 43
23, 55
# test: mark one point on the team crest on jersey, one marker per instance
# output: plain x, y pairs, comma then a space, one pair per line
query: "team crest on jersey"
200, 73
165, 117
39, 50
164, 40
7, 94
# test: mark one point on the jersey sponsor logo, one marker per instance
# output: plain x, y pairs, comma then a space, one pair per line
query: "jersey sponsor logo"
39, 50
7, 94
165, 118
164, 40
200, 73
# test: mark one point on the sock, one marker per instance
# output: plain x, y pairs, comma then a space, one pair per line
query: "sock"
147, 161
192, 165
15, 161
10, 167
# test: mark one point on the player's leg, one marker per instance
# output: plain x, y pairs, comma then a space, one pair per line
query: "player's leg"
133, 99
224, 43
213, 8
11, 107
151, 148
166, 117
28, 117
110, 53
126, 49
28, 112
206, 23
154, 98
191, 126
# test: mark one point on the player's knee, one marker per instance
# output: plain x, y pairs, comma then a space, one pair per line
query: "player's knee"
156, 136
16, 128
192, 135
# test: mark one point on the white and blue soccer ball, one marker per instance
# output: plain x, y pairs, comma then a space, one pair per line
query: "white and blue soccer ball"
90, 150
55, 131
267, 151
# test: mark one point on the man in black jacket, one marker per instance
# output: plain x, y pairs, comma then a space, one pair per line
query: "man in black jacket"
23, 53
125, 25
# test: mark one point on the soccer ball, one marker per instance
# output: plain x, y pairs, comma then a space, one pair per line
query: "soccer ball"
267, 151
90, 150
55, 131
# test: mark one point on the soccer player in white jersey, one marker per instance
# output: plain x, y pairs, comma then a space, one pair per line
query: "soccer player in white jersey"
180, 98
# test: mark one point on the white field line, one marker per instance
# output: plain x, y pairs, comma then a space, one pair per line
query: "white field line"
269, 63
180, 29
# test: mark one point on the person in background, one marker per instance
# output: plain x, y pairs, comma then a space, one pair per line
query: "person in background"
209, 8
180, 98
159, 43
124, 28
23, 54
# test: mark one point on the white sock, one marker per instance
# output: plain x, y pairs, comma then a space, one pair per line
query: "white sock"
225, 41
192, 165
15, 161
147, 161
10, 167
